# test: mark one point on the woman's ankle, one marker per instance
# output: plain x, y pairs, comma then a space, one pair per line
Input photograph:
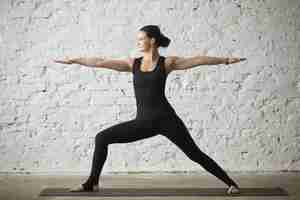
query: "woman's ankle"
234, 184
89, 184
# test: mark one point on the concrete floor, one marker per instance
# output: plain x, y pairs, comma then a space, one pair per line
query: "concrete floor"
25, 187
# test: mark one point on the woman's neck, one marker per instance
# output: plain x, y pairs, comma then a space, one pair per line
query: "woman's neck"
152, 56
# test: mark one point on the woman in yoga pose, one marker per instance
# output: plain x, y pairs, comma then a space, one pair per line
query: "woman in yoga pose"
154, 113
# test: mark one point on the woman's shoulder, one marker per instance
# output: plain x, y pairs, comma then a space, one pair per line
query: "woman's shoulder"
132, 60
168, 63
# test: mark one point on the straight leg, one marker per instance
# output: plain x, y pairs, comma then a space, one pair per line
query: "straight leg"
175, 130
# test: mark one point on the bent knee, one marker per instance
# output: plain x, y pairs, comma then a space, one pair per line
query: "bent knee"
101, 138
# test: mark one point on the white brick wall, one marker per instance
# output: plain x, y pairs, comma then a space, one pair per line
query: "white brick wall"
245, 116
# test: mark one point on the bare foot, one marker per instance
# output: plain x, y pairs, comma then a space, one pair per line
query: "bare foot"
233, 190
82, 189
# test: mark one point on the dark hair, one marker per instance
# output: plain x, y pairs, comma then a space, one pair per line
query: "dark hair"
153, 31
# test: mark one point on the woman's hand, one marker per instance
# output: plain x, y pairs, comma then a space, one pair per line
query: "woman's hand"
67, 60
234, 60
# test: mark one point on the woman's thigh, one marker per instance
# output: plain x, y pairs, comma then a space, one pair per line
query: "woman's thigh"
128, 131
176, 131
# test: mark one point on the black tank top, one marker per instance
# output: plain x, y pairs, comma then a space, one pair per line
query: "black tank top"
149, 90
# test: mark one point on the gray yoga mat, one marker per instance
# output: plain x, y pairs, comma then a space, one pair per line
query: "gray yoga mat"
166, 192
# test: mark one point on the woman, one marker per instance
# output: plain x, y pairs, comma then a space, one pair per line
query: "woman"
154, 113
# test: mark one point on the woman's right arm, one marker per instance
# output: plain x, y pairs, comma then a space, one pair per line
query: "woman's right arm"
122, 65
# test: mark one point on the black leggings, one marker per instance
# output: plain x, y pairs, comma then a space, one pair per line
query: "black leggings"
172, 128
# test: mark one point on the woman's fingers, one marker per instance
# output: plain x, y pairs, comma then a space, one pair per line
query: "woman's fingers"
235, 60
239, 59
65, 61
60, 61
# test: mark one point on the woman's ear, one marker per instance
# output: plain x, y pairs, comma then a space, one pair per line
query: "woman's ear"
152, 40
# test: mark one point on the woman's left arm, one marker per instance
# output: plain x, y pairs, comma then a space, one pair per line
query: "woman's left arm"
182, 63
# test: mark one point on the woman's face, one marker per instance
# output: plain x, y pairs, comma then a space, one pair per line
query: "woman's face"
144, 43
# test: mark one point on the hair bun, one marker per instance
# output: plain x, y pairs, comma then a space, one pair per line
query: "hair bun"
164, 41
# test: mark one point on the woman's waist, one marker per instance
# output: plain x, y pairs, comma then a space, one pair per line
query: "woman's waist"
155, 114
156, 104
155, 108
